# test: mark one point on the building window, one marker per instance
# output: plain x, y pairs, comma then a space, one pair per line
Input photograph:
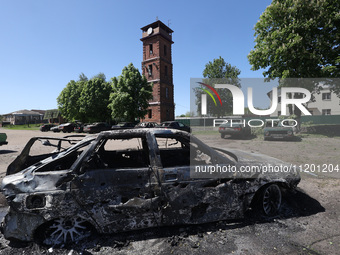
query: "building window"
166, 71
167, 114
150, 70
167, 92
151, 49
149, 113
326, 112
326, 96
279, 113
165, 50
279, 99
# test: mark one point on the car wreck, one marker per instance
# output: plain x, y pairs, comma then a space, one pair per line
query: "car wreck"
131, 179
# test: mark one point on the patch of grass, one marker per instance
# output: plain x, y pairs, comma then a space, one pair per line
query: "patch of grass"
306, 136
23, 127
206, 132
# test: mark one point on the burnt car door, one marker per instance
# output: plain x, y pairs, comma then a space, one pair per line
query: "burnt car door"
117, 184
199, 200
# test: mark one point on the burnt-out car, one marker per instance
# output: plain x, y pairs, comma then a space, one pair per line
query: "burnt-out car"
133, 179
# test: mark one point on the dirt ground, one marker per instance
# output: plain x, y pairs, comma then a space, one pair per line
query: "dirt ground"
308, 222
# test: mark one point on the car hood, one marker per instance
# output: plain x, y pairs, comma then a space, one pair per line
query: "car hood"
29, 181
259, 166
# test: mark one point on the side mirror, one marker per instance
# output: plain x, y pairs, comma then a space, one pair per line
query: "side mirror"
66, 178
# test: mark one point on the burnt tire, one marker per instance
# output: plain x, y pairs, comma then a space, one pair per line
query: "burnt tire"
64, 230
222, 135
270, 200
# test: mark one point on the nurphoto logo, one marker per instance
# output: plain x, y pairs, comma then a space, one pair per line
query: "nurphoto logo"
238, 99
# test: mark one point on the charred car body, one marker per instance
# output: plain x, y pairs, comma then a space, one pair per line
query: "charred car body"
130, 179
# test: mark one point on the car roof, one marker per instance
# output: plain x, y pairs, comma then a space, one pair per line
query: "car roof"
143, 131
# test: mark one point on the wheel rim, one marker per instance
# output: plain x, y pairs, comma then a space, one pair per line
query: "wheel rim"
271, 202
66, 230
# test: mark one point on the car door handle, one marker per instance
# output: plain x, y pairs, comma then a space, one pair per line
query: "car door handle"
87, 179
170, 177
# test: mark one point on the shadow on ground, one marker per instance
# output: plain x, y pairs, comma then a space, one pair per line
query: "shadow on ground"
292, 139
249, 137
6, 151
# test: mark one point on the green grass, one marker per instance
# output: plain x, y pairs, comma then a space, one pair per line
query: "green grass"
23, 127
206, 132
308, 135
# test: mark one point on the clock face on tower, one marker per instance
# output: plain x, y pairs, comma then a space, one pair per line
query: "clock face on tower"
150, 30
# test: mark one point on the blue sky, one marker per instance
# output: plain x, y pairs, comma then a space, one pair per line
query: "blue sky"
45, 44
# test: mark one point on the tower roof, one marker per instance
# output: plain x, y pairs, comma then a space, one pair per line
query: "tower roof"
157, 23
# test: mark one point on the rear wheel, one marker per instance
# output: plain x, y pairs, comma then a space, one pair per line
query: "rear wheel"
270, 199
222, 135
64, 230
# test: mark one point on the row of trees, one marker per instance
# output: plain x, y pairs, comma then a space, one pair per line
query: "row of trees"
122, 98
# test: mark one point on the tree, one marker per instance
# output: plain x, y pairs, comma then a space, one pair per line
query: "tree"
94, 101
189, 114
298, 39
68, 100
219, 72
83, 77
100, 76
130, 95
85, 100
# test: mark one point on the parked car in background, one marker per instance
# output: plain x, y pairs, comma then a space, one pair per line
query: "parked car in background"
3, 138
79, 127
96, 127
277, 129
123, 125
55, 129
46, 127
147, 125
67, 127
175, 125
235, 128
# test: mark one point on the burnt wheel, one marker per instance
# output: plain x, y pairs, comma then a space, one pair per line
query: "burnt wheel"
271, 200
64, 230
222, 135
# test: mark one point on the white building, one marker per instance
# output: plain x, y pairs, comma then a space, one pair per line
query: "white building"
23, 117
325, 103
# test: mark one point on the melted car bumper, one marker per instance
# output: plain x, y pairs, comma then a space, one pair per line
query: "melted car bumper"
20, 226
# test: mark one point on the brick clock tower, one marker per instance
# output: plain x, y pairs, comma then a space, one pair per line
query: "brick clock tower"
157, 68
